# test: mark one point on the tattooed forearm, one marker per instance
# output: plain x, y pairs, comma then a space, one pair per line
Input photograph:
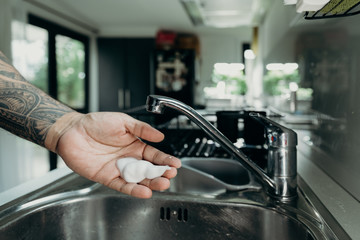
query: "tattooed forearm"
25, 110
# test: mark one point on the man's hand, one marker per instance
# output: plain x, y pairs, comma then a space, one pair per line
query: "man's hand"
90, 145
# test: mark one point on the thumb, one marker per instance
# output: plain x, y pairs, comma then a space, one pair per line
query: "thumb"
144, 131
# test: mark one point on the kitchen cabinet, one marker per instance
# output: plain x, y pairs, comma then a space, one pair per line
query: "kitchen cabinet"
125, 72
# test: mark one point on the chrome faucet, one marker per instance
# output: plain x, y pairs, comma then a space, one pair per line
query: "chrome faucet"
280, 181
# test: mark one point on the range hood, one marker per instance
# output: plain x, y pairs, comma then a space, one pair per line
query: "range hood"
226, 13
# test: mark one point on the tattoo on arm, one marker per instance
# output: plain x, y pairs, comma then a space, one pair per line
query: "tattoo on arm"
25, 110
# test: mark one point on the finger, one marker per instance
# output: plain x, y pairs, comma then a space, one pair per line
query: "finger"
109, 176
170, 173
144, 131
132, 189
157, 184
160, 158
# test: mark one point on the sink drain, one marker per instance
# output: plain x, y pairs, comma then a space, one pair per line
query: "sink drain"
181, 215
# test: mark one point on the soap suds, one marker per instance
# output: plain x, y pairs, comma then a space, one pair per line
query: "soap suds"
133, 170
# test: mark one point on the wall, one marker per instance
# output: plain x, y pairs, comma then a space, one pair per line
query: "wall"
274, 40
328, 54
11, 172
5, 27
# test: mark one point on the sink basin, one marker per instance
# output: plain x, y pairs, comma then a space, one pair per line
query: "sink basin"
76, 208
115, 216
211, 176
226, 170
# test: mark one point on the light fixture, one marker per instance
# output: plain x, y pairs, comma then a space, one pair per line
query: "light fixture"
290, 67
274, 66
287, 67
231, 69
225, 13
293, 86
193, 9
249, 54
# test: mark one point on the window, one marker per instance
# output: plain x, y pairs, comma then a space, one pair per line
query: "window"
228, 80
55, 59
67, 64
70, 66
30, 57
30, 53
282, 83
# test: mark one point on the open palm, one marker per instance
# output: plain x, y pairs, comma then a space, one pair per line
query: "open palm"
94, 143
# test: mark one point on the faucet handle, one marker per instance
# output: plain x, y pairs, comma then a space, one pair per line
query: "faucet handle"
281, 166
276, 134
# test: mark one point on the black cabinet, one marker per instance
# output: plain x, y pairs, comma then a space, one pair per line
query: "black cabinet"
175, 74
125, 72
175, 78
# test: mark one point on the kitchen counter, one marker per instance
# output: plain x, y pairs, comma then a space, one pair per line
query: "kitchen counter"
48, 180
342, 205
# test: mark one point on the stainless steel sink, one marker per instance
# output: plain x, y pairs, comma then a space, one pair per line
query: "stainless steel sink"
76, 208
211, 176
225, 170
118, 217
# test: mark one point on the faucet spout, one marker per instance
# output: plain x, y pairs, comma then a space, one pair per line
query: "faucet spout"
156, 104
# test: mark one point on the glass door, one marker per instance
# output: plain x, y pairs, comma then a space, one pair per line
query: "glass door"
55, 59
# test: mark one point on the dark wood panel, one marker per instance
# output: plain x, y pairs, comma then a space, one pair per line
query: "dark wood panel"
139, 75
126, 64
111, 72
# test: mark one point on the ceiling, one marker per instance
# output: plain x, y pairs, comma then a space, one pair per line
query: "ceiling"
133, 17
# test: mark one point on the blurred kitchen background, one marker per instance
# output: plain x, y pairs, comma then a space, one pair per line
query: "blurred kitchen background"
224, 55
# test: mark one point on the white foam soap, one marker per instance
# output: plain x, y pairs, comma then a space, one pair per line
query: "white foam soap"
133, 170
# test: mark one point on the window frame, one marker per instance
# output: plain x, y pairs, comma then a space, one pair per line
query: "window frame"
54, 29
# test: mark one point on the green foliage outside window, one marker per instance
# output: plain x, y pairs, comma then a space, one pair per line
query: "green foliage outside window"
70, 56
40, 76
277, 82
235, 84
